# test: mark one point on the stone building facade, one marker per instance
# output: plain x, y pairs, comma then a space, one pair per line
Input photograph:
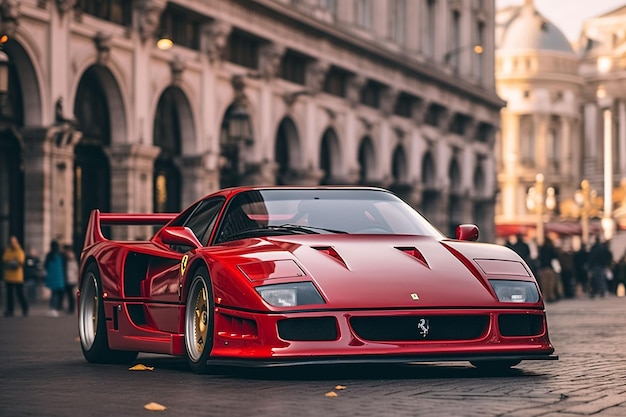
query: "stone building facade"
399, 94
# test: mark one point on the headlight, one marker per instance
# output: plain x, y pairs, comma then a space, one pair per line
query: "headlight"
515, 291
290, 295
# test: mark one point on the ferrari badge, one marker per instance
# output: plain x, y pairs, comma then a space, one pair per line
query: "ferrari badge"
183, 264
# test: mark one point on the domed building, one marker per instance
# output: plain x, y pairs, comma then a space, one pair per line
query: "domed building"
539, 150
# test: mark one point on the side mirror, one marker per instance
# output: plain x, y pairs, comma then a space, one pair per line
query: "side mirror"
179, 236
467, 232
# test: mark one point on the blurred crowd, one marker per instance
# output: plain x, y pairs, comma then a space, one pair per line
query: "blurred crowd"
29, 279
565, 268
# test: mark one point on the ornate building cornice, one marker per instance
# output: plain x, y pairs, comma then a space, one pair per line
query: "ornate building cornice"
9, 16
103, 46
214, 39
149, 17
270, 55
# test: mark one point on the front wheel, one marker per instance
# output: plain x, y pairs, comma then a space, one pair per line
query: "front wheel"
199, 321
92, 323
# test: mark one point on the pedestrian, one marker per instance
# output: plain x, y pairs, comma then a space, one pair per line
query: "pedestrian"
599, 260
581, 270
523, 250
33, 274
55, 277
71, 277
13, 266
548, 259
568, 282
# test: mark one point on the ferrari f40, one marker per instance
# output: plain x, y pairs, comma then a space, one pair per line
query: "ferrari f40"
279, 276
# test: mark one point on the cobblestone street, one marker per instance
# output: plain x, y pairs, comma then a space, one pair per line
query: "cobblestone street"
43, 373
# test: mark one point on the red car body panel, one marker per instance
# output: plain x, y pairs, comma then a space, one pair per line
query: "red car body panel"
361, 278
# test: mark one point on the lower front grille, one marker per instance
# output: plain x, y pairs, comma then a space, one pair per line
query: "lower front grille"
520, 324
308, 329
415, 328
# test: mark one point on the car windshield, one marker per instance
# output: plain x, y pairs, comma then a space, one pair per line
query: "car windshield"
306, 211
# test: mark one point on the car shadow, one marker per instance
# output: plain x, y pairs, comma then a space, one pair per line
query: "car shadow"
323, 372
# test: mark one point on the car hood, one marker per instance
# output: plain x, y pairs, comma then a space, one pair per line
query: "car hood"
382, 271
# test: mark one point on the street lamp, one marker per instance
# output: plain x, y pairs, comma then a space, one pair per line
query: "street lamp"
239, 124
477, 49
4, 74
539, 203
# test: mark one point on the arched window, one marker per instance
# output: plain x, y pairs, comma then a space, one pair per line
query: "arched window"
92, 184
167, 136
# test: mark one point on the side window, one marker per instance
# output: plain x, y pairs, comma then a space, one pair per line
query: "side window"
203, 219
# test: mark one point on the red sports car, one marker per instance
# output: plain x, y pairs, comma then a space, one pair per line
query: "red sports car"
272, 276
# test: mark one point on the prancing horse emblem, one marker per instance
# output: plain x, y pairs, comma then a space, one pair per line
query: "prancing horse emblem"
424, 327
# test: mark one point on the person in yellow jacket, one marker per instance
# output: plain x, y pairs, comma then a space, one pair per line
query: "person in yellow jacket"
13, 264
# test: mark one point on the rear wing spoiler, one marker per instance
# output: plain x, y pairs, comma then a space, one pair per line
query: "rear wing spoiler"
97, 219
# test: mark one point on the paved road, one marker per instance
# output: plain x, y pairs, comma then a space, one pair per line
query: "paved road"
42, 373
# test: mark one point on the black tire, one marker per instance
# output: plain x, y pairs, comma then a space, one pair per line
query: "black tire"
92, 329
199, 322
495, 364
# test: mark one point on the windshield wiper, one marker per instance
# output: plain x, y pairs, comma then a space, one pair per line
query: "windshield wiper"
309, 229
280, 229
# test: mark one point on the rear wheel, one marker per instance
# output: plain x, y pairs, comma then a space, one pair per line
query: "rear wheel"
495, 364
92, 323
199, 321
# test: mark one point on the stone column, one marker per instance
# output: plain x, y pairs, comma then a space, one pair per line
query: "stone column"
198, 179
48, 185
132, 168
540, 123
621, 139
590, 138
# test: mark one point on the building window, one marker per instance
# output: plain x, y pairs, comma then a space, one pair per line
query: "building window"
527, 141
370, 95
330, 5
293, 67
553, 144
116, 11
404, 105
335, 82
363, 13
479, 58
182, 26
431, 28
397, 19
455, 41
458, 124
243, 50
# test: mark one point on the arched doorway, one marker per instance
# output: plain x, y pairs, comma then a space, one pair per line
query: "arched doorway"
11, 159
455, 199
167, 136
400, 174
235, 139
287, 152
367, 161
330, 158
92, 184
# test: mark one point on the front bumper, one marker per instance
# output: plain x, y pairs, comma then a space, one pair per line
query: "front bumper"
253, 339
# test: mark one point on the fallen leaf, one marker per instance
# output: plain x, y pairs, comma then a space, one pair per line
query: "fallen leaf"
340, 387
140, 367
331, 394
155, 407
